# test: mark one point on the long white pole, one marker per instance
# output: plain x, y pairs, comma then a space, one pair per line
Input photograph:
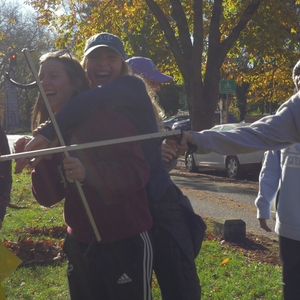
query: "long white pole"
59, 149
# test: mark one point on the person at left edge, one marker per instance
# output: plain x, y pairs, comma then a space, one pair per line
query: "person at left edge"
113, 179
5, 176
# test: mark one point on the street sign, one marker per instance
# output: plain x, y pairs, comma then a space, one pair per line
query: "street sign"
227, 87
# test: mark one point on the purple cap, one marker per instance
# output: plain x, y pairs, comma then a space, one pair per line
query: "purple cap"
104, 39
145, 68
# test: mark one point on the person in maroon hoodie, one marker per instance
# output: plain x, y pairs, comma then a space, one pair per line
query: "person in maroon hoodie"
113, 179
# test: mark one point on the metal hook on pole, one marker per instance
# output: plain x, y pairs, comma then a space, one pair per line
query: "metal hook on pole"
61, 140
24, 86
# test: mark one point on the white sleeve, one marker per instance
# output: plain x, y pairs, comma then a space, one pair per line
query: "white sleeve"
269, 179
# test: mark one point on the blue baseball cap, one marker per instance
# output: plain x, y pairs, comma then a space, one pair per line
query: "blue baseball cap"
146, 68
104, 39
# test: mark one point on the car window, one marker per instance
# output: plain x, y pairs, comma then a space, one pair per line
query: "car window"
181, 118
169, 119
216, 128
227, 127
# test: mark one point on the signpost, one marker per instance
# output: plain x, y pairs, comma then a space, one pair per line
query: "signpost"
226, 87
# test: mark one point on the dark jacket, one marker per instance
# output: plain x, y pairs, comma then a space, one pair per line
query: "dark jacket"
128, 95
170, 209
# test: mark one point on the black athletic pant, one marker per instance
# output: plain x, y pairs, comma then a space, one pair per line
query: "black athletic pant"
174, 264
116, 271
176, 274
290, 260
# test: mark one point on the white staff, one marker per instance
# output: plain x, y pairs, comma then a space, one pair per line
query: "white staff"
35, 153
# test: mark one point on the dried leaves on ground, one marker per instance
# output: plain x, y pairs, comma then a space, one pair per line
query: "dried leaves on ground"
47, 249
43, 250
253, 247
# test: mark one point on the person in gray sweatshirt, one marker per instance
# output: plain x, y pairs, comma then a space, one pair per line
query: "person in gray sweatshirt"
274, 132
279, 181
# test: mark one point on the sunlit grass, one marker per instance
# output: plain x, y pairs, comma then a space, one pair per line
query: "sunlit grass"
225, 273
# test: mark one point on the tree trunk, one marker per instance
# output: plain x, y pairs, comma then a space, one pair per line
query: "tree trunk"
241, 95
202, 95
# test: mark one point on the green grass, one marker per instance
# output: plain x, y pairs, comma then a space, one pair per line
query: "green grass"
224, 272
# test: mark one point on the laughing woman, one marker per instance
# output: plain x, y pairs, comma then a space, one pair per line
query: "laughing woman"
113, 179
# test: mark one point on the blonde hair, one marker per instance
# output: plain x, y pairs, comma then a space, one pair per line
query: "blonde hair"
158, 110
76, 76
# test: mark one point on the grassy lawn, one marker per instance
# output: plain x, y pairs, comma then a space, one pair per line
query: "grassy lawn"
225, 272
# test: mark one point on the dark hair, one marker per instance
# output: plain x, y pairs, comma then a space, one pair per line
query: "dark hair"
76, 76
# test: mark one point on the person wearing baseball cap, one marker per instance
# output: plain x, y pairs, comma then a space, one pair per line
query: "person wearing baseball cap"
146, 68
104, 59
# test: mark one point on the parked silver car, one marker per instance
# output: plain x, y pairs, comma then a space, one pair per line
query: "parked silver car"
185, 124
171, 120
235, 165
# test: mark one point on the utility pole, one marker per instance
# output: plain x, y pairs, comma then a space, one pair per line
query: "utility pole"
12, 103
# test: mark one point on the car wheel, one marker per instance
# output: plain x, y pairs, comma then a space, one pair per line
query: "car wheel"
233, 167
190, 163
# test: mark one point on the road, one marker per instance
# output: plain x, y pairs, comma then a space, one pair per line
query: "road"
220, 197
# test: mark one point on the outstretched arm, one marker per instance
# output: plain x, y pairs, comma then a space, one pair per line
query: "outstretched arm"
269, 133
